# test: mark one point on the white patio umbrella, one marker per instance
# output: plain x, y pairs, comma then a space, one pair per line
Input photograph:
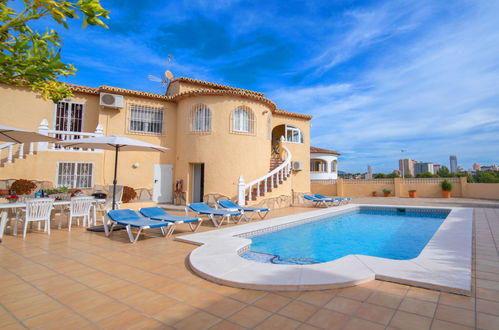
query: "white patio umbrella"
114, 142
17, 135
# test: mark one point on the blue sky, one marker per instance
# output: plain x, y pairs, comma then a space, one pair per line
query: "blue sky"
378, 76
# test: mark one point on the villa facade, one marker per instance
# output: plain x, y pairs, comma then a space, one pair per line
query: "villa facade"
323, 164
217, 138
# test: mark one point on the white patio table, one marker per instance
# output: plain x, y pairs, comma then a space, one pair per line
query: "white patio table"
4, 207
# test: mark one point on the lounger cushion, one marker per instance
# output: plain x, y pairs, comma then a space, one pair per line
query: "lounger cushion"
157, 213
131, 218
202, 208
231, 205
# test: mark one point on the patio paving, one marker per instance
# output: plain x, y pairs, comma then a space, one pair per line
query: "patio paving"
85, 280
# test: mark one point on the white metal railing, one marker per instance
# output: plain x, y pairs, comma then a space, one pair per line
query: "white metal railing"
429, 180
64, 136
276, 175
368, 181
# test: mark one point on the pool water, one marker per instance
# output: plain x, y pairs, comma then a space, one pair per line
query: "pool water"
396, 234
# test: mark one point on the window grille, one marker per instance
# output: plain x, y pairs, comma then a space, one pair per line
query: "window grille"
200, 118
318, 165
243, 120
146, 119
293, 134
75, 175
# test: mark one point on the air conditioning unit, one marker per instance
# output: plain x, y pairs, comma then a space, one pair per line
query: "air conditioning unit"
111, 100
296, 166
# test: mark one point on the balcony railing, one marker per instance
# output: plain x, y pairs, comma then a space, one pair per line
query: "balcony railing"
65, 135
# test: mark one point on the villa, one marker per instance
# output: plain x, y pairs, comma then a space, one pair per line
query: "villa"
222, 141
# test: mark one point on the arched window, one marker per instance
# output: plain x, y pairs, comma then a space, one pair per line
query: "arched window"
200, 118
334, 166
293, 134
318, 165
243, 120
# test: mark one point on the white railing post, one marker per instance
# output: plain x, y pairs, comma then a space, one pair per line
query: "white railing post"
44, 130
99, 130
9, 154
21, 151
241, 191
31, 148
265, 185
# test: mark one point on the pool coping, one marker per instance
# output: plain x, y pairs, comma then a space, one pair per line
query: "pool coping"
444, 264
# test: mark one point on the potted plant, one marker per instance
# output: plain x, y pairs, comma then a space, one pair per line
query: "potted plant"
375, 194
446, 188
387, 192
22, 187
12, 198
128, 194
412, 193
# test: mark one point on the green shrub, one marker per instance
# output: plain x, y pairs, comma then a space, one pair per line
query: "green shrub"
387, 191
446, 185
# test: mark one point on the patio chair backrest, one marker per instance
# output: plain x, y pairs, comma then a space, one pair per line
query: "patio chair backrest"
228, 204
39, 208
200, 207
319, 196
119, 195
152, 212
80, 206
310, 198
127, 215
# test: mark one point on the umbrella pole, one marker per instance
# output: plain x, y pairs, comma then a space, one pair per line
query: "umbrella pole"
115, 173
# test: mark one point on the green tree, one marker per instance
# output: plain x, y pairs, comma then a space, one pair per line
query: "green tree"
393, 175
408, 175
379, 176
487, 177
444, 172
30, 58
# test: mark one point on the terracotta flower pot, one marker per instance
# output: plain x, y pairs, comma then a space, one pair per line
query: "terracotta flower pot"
375, 194
386, 194
412, 193
445, 194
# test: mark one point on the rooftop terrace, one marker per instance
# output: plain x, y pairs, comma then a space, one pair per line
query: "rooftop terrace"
85, 280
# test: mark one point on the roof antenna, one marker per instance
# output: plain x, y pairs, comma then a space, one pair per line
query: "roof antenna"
167, 75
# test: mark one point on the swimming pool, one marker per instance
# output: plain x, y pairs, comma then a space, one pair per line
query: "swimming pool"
443, 263
394, 234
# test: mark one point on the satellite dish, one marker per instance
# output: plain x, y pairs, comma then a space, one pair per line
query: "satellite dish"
169, 75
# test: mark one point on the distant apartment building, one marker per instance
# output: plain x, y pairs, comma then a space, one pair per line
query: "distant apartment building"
421, 167
436, 167
369, 174
406, 166
477, 167
491, 168
453, 164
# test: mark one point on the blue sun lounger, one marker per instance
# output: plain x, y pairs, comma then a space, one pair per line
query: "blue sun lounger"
130, 219
203, 208
341, 200
157, 213
319, 201
228, 204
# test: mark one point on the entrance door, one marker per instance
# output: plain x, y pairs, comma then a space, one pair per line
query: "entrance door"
197, 183
162, 186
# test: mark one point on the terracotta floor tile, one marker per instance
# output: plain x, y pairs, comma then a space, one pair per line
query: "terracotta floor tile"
360, 324
327, 319
227, 325
455, 315
385, 299
409, 321
102, 311
248, 296
278, 322
375, 313
120, 320
487, 306
146, 323
343, 305
444, 325
357, 293
486, 321
298, 310
272, 302
74, 322
175, 313
456, 300
420, 307
249, 316
423, 294
49, 317
199, 320
487, 294
316, 298
224, 307
36, 309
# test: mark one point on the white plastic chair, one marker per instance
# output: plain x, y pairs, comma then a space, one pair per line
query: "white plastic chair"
79, 207
38, 210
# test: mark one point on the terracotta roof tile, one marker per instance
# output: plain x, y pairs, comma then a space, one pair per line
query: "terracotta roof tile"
315, 150
292, 114
213, 85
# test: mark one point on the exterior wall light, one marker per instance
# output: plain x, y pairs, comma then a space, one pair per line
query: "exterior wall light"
135, 165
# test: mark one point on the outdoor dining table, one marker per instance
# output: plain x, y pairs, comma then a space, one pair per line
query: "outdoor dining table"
4, 207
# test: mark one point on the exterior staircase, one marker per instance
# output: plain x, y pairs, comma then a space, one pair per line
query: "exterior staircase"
279, 172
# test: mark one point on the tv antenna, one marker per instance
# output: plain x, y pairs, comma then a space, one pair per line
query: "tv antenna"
167, 76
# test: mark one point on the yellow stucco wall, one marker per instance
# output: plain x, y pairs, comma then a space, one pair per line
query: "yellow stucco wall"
226, 155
